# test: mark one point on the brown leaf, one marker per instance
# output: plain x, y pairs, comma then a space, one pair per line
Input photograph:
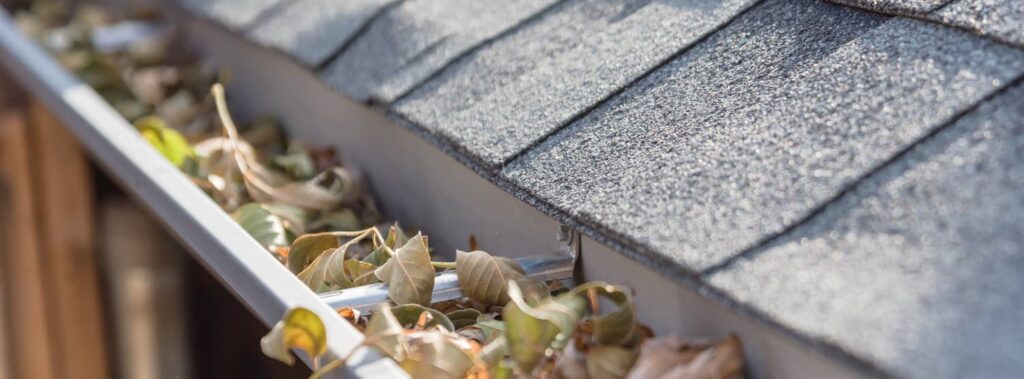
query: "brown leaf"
671, 357
409, 274
485, 278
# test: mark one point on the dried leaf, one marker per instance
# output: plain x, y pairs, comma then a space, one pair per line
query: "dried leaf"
674, 358
395, 239
350, 314
437, 355
384, 332
409, 274
409, 314
531, 330
327, 272
299, 329
360, 273
614, 327
265, 227
327, 190
308, 247
609, 362
485, 278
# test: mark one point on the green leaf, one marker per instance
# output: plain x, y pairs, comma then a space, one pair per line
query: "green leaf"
485, 278
294, 218
299, 329
495, 351
297, 162
492, 328
308, 247
341, 219
384, 332
377, 257
532, 330
615, 327
262, 225
609, 362
463, 317
485, 330
409, 314
167, 141
409, 274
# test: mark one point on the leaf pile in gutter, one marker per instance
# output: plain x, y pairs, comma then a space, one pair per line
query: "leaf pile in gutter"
312, 214
275, 189
508, 326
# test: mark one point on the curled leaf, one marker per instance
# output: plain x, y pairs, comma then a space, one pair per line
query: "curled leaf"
437, 355
308, 247
463, 317
265, 227
299, 329
327, 272
409, 274
485, 278
360, 273
409, 314
616, 326
384, 332
671, 357
531, 330
327, 190
609, 362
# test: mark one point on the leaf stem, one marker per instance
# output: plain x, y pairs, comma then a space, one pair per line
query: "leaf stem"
445, 265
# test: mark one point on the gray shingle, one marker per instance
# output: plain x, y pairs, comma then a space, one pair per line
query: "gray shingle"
901, 7
415, 39
234, 14
919, 268
506, 96
757, 126
1000, 19
312, 30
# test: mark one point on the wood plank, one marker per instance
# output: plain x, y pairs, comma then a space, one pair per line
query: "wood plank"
30, 346
62, 181
144, 271
5, 339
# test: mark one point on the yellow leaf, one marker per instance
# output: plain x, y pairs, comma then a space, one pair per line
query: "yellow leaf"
299, 329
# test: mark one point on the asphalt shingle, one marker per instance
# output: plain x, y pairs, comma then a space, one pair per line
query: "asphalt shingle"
233, 14
919, 267
416, 39
756, 127
506, 96
312, 30
999, 19
901, 7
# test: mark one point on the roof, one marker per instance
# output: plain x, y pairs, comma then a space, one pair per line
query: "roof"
828, 168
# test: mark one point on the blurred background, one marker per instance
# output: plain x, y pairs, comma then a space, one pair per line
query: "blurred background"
90, 285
